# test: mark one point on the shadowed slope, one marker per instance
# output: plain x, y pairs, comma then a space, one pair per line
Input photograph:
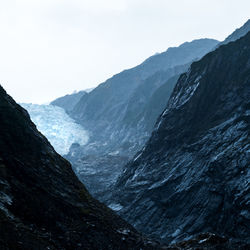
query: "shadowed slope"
42, 203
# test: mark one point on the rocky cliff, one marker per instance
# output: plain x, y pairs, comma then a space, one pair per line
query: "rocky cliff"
193, 174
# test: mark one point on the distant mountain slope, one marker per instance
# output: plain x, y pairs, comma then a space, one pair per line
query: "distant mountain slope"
68, 102
238, 33
193, 174
106, 110
118, 116
42, 203
107, 103
150, 99
181, 55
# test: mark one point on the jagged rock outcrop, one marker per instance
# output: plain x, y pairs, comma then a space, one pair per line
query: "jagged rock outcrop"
193, 174
42, 203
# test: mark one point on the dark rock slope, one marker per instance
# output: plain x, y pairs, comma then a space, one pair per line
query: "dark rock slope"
193, 174
42, 203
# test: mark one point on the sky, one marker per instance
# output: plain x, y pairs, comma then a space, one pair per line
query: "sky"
49, 48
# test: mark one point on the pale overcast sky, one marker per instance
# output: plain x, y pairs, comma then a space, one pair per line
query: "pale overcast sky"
49, 48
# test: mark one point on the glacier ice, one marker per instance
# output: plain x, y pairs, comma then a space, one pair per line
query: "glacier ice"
57, 126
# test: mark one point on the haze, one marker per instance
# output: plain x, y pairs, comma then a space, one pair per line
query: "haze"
50, 48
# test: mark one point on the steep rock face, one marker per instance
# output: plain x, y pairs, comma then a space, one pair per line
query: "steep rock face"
193, 174
42, 203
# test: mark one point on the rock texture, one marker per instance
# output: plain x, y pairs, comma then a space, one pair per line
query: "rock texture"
193, 174
120, 113
98, 172
42, 203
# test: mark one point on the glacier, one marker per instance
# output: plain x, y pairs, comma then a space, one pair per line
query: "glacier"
61, 130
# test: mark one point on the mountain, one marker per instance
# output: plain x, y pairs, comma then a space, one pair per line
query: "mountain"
119, 117
153, 100
238, 33
193, 174
68, 102
105, 109
42, 203
44, 206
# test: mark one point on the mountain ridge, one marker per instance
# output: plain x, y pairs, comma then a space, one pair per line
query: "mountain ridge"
117, 116
69, 101
238, 33
193, 174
